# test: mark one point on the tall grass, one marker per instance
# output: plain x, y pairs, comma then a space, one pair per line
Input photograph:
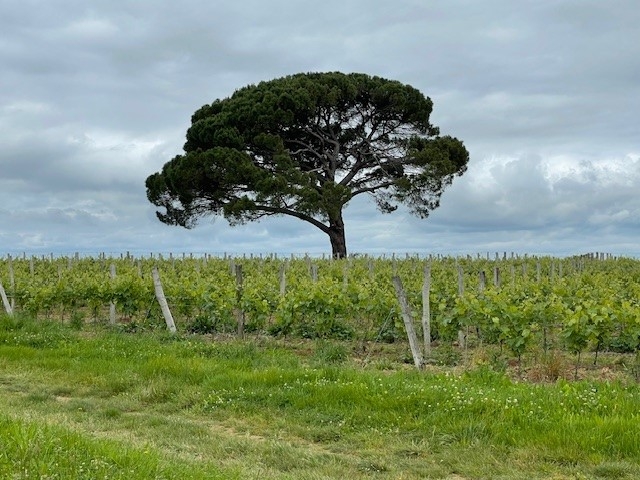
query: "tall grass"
159, 406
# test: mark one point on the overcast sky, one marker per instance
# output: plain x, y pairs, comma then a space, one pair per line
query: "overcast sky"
95, 96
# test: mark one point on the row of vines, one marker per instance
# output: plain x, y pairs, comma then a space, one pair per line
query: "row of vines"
576, 303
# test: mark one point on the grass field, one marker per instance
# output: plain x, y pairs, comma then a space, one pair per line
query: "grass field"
90, 402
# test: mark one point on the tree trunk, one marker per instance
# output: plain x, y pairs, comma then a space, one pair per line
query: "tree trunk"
337, 237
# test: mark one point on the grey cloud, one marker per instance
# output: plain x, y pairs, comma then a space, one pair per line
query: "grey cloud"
95, 97
582, 202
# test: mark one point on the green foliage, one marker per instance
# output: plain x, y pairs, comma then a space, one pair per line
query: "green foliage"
317, 311
447, 356
329, 352
25, 332
202, 324
592, 307
76, 321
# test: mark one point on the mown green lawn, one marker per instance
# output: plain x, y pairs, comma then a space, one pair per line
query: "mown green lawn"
99, 403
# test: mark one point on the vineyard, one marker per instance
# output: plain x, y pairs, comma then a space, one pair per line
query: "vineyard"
578, 304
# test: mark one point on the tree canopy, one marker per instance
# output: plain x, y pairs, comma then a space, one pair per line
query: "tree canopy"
304, 146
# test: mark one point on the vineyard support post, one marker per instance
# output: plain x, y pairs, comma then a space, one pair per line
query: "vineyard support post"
5, 301
408, 323
482, 284
162, 300
283, 279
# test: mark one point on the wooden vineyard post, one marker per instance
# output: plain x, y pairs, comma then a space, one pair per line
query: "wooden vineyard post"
239, 310
162, 300
482, 284
283, 279
426, 311
560, 269
307, 260
112, 304
408, 323
232, 266
5, 301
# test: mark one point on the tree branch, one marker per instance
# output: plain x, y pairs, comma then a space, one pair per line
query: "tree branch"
372, 189
286, 211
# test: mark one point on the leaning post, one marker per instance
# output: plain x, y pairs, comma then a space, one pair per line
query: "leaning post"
408, 323
162, 300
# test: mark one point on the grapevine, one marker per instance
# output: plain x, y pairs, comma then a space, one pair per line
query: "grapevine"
575, 303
